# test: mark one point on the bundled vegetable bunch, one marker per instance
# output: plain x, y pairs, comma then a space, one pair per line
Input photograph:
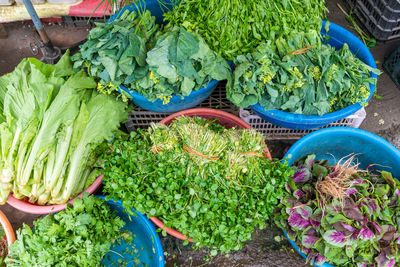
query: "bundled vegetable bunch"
212, 184
342, 215
314, 80
116, 52
180, 62
51, 126
80, 235
236, 27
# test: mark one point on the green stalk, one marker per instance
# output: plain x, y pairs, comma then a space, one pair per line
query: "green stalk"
62, 151
49, 168
78, 158
24, 146
44, 198
81, 184
56, 191
7, 174
38, 172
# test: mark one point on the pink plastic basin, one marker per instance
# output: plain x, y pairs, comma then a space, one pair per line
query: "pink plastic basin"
25, 206
224, 118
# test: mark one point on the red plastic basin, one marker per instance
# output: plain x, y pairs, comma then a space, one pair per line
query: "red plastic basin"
25, 206
8, 230
224, 118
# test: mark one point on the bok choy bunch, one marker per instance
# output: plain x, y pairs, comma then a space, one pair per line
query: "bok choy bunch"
51, 123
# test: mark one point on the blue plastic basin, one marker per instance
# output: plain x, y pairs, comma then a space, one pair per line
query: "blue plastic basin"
338, 36
176, 102
146, 241
334, 143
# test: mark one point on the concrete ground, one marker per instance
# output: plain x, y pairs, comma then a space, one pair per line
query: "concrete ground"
383, 118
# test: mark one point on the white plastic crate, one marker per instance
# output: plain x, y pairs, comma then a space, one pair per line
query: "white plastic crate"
274, 132
141, 118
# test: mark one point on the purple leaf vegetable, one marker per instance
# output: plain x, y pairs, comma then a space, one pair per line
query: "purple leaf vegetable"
354, 235
366, 233
319, 260
310, 231
388, 232
358, 181
372, 206
340, 228
377, 228
308, 241
351, 191
335, 238
315, 224
397, 192
309, 161
348, 227
302, 175
305, 211
306, 250
351, 211
298, 194
383, 261
297, 221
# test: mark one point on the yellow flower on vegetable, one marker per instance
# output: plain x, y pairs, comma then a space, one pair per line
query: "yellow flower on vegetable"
315, 72
165, 99
153, 77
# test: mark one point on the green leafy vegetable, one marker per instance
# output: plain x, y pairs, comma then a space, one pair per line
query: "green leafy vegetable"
180, 62
116, 52
314, 80
54, 124
80, 235
212, 184
236, 27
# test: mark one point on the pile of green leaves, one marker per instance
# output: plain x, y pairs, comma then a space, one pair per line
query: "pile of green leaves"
197, 178
361, 229
312, 81
3, 247
116, 52
236, 27
180, 62
80, 235
52, 123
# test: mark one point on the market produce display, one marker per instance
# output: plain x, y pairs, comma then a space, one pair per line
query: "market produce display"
80, 235
313, 80
134, 52
116, 52
211, 184
342, 215
180, 62
52, 123
236, 27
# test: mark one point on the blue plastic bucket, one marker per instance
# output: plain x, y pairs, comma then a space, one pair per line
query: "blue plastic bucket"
334, 143
146, 240
338, 36
176, 102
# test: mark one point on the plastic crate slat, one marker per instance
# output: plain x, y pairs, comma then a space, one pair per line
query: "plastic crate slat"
140, 118
381, 18
271, 131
